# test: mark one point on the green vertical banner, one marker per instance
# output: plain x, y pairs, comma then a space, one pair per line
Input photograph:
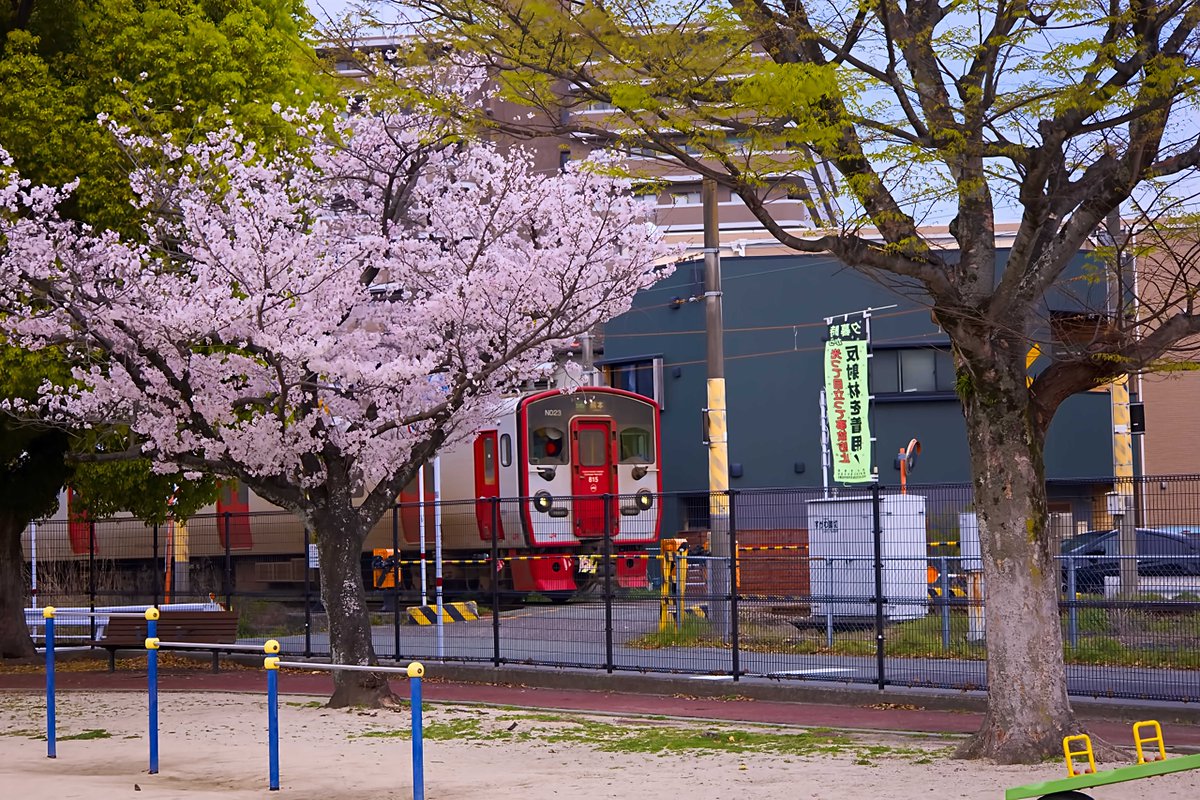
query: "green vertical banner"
847, 401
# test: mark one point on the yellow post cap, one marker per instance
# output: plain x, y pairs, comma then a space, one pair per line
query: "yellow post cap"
271, 662
271, 646
48, 612
152, 643
416, 670
151, 613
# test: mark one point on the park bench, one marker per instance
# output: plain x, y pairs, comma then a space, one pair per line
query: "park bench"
201, 627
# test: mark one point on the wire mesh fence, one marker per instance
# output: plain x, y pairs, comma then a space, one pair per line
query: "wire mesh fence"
867, 586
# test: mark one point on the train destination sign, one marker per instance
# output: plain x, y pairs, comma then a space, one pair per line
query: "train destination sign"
847, 398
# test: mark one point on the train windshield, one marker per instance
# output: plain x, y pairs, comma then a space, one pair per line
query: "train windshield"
550, 417
547, 445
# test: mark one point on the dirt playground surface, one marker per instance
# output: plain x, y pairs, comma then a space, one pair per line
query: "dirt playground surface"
214, 745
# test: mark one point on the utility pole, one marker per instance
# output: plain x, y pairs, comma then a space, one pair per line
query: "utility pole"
589, 359
1121, 501
716, 428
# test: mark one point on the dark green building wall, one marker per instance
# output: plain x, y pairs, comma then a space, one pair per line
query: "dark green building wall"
774, 310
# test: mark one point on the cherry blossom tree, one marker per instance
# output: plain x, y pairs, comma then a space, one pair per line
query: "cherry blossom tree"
319, 322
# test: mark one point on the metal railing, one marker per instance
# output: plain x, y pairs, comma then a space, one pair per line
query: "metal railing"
818, 593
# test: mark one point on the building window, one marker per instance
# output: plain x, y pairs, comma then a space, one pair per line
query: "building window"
695, 511
641, 376
911, 370
685, 198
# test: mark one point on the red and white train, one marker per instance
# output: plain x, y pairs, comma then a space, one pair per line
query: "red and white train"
540, 475
562, 454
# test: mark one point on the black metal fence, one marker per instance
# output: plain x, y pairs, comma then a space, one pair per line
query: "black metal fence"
864, 586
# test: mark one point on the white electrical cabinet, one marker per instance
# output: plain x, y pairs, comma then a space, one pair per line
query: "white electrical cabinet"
968, 542
842, 557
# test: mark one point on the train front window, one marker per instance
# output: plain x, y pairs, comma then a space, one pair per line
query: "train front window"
593, 447
547, 446
636, 446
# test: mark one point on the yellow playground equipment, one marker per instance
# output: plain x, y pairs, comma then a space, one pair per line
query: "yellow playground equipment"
1083, 775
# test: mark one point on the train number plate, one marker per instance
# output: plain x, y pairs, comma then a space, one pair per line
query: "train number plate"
587, 564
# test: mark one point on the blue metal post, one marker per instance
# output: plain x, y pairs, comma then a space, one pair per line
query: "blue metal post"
152, 683
273, 725
415, 671
271, 665
48, 615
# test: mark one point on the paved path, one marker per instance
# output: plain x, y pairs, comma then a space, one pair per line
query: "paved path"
873, 713
574, 635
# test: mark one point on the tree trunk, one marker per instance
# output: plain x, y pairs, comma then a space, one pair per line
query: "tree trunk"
1028, 712
339, 544
14, 635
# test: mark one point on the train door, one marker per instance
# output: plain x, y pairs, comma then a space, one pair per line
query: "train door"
593, 473
487, 483
233, 512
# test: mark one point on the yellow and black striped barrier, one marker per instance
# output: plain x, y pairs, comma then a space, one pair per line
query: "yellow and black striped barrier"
543, 557
769, 548
451, 612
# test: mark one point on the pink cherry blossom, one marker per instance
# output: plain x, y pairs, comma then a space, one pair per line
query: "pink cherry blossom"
323, 319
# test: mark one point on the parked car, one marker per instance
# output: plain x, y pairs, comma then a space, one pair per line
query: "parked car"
1194, 530
1159, 552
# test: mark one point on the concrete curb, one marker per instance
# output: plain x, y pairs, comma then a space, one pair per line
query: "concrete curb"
1115, 709
773, 690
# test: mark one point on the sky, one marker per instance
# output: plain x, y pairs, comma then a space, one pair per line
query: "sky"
324, 9
1006, 208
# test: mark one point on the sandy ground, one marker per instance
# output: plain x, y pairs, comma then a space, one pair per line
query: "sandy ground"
214, 746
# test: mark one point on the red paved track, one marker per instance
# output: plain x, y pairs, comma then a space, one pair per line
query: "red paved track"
765, 711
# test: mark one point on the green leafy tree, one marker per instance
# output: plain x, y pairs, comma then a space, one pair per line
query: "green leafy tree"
182, 67
32, 470
1055, 115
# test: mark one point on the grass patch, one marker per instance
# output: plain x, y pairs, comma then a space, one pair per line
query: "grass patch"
693, 632
531, 717
664, 738
96, 733
266, 618
671, 739
1106, 637
309, 704
447, 730
31, 734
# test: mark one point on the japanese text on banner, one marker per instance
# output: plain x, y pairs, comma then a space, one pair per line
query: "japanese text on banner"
847, 398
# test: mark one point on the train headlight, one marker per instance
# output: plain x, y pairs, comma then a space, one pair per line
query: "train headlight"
644, 499
543, 501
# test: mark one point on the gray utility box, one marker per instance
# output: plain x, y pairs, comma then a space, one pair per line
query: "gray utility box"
842, 557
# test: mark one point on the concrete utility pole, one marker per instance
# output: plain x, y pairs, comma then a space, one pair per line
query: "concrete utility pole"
717, 430
1123, 475
589, 359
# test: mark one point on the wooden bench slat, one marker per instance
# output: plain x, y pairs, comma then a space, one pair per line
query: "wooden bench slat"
202, 627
